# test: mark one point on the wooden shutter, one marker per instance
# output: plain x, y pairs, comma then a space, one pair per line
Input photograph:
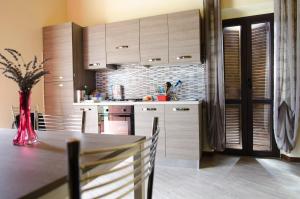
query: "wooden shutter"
232, 62
261, 86
232, 66
260, 61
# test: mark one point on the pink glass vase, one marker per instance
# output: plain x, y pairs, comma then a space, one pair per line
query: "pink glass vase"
26, 134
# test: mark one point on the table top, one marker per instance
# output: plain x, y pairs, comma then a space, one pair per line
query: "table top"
32, 171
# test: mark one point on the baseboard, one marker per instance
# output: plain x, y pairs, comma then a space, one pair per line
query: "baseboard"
289, 159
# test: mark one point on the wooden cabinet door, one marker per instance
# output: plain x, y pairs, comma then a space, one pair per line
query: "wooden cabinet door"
91, 118
57, 45
143, 117
182, 132
122, 42
94, 53
59, 97
184, 37
154, 40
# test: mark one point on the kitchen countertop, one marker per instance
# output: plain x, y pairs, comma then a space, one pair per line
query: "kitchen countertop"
108, 103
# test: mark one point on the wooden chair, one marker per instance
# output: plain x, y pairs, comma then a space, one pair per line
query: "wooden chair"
75, 122
117, 171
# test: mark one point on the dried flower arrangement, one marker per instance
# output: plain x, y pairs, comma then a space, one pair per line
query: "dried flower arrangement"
27, 77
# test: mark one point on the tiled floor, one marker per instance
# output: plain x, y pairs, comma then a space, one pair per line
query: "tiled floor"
229, 177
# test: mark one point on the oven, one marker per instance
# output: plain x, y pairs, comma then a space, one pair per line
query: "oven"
116, 119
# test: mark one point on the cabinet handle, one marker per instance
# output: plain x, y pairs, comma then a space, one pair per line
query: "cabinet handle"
60, 85
154, 59
181, 109
85, 109
121, 47
95, 64
149, 109
57, 77
184, 57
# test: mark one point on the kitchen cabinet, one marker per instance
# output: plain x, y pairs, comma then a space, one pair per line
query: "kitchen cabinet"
62, 46
154, 40
182, 131
94, 52
58, 97
184, 37
57, 43
91, 118
143, 115
122, 42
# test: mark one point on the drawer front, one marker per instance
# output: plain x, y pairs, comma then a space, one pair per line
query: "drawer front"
182, 131
184, 37
154, 40
94, 53
144, 115
122, 42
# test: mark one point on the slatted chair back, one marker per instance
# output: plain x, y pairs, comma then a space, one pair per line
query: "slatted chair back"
114, 172
15, 112
74, 122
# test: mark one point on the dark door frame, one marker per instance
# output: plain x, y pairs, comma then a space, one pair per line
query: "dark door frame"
246, 84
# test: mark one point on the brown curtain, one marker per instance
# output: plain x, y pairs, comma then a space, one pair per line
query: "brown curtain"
287, 72
215, 74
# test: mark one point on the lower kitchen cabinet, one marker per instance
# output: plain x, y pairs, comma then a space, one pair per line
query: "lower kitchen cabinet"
143, 116
91, 118
182, 124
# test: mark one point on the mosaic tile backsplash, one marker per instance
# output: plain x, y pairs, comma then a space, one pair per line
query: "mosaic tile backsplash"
139, 81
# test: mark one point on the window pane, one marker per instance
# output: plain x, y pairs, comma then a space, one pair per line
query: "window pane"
232, 63
262, 127
233, 126
261, 88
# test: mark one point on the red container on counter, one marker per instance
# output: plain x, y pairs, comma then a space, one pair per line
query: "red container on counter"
163, 98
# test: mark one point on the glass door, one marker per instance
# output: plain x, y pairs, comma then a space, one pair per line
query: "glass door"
248, 66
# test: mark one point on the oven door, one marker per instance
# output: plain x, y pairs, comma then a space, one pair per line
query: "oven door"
117, 124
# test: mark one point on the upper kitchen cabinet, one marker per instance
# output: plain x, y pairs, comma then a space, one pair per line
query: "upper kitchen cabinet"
58, 43
94, 52
184, 37
154, 40
123, 42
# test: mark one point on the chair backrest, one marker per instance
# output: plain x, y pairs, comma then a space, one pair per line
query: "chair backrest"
15, 111
114, 172
74, 122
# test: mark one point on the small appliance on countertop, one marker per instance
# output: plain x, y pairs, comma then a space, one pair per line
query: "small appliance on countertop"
118, 92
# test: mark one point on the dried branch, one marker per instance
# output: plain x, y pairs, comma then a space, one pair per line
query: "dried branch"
34, 71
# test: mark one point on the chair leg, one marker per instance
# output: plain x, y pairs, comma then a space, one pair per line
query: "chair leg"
73, 165
150, 185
